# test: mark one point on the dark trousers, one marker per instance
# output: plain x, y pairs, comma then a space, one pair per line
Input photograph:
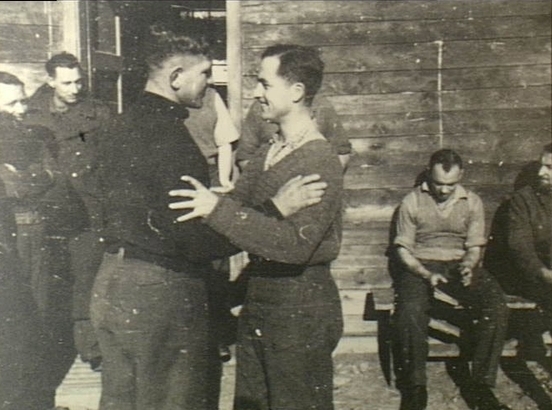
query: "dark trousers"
153, 328
485, 304
287, 331
45, 266
23, 346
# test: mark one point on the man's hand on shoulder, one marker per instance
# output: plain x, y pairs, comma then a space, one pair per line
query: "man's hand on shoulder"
298, 193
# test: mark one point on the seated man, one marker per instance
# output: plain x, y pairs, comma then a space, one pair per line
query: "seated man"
522, 264
440, 233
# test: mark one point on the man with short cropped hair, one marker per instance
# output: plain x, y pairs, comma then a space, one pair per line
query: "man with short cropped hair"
73, 251
440, 235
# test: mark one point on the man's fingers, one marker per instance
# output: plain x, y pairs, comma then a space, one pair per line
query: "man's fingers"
184, 193
309, 178
192, 181
187, 217
182, 205
316, 186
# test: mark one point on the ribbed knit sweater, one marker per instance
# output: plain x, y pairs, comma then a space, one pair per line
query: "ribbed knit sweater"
308, 237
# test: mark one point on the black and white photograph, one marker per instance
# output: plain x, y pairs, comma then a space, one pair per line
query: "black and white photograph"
276, 205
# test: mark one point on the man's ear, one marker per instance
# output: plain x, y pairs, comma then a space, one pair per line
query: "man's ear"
50, 81
174, 78
297, 92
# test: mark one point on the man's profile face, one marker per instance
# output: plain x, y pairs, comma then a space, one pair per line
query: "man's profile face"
13, 100
443, 183
545, 171
67, 84
192, 79
273, 92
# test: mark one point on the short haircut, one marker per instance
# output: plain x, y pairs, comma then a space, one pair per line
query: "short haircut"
547, 149
299, 64
164, 43
447, 158
10, 79
65, 60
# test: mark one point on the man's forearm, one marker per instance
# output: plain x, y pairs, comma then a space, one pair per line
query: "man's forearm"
412, 263
471, 257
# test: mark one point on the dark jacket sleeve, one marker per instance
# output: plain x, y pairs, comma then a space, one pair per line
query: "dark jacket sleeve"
520, 239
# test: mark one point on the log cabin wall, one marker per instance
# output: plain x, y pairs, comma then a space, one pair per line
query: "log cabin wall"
407, 78
30, 33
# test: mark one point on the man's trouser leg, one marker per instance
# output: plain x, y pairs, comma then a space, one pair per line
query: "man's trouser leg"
411, 320
152, 325
486, 305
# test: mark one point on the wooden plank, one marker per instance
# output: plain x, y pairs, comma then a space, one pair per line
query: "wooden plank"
23, 43
499, 147
489, 147
352, 301
354, 325
500, 52
406, 102
495, 77
360, 126
394, 150
424, 56
393, 31
363, 176
367, 278
293, 12
22, 12
421, 102
487, 120
360, 58
384, 82
530, 97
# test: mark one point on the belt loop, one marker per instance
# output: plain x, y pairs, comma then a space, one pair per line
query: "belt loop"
121, 254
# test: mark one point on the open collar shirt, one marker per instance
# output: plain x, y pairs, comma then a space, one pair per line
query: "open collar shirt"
440, 231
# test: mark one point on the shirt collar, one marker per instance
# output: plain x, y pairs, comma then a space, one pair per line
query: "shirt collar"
459, 193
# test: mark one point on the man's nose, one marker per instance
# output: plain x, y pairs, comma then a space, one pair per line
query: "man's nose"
258, 92
74, 88
542, 171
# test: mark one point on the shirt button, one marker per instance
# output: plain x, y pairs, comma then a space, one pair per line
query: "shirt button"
258, 332
74, 175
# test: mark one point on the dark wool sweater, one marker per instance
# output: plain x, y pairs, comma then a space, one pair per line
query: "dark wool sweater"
308, 237
27, 148
142, 157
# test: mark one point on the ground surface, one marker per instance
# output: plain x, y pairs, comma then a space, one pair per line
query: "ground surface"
359, 385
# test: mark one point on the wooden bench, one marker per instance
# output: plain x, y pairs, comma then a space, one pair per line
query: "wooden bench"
443, 335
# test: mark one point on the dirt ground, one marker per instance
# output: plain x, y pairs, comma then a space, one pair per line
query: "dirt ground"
359, 385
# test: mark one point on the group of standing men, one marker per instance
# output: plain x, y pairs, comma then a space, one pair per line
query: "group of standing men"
115, 277
47, 145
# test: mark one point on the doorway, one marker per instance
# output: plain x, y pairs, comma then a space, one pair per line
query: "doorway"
115, 32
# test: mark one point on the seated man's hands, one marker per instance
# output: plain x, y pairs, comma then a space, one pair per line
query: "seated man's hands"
467, 275
298, 193
436, 278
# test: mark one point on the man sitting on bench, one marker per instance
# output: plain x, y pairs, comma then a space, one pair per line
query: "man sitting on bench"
440, 233
527, 271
